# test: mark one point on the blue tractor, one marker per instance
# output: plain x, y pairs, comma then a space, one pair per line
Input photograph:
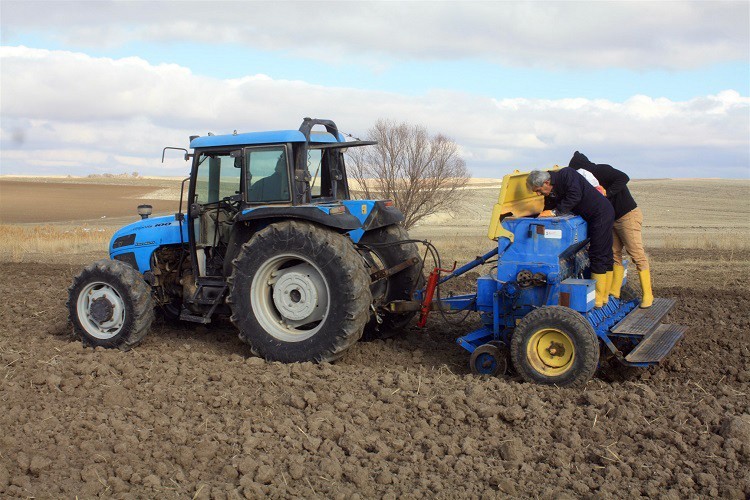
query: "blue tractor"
537, 303
271, 238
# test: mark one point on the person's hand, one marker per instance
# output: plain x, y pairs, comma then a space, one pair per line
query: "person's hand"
547, 213
601, 190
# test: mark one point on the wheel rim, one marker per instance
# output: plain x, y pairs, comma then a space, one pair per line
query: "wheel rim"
290, 297
101, 310
488, 359
550, 351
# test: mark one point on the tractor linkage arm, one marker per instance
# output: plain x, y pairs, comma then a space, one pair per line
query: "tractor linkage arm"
434, 280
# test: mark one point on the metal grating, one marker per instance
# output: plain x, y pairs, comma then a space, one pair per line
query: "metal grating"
642, 321
656, 346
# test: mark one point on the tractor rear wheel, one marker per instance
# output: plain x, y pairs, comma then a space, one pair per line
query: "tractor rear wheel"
555, 345
299, 292
385, 252
110, 305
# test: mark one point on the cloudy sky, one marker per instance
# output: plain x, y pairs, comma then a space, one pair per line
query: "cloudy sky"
658, 89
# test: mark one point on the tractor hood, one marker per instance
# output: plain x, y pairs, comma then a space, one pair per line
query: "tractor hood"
135, 242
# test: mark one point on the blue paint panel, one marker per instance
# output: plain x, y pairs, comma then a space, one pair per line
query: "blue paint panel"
258, 138
361, 210
486, 288
356, 234
538, 244
582, 293
323, 208
150, 234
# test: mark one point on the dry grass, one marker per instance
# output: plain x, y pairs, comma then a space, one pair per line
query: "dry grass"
26, 243
735, 241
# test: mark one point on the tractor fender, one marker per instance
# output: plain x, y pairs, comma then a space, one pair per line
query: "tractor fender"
372, 214
358, 217
325, 215
250, 221
135, 243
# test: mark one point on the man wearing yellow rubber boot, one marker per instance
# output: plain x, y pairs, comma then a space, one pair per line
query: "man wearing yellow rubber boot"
566, 191
627, 226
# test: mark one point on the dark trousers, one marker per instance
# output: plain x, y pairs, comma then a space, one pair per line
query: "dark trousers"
600, 245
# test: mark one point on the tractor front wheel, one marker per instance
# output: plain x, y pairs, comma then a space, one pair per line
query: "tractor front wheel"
299, 292
110, 305
555, 345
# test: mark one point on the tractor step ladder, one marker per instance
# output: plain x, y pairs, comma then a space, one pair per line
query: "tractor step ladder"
657, 345
642, 321
198, 298
657, 338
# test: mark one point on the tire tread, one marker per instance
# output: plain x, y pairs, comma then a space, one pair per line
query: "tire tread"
138, 295
356, 305
555, 314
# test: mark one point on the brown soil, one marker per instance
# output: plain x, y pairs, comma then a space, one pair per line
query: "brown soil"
67, 202
189, 413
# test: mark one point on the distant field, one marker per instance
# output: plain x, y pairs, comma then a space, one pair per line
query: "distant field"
61, 201
39, 215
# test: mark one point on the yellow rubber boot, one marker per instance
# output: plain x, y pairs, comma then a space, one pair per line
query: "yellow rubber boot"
618, 273
648, 295
601, 289
608, 286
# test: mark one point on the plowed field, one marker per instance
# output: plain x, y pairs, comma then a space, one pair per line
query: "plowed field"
190, 414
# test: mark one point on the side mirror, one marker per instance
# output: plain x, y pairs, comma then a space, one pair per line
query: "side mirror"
163, 152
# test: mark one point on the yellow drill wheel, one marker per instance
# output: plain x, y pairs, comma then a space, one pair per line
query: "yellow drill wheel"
550, 351
554, 345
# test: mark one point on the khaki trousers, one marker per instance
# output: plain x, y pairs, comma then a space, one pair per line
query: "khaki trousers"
627, 233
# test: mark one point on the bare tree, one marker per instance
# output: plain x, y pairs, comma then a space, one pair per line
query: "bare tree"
421, 174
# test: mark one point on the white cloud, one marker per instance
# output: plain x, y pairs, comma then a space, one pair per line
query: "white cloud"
673, 35
83, 114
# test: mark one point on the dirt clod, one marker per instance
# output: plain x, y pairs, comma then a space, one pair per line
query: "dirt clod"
190, 413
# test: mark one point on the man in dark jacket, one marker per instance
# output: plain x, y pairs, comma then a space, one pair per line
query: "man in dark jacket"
567, 191
627, 226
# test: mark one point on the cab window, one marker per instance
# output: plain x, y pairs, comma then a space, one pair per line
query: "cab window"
268, 175
314, 162
218, 177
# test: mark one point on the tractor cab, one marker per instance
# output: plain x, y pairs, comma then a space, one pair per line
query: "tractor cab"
258, 175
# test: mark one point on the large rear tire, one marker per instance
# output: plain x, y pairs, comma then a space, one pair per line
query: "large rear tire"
110, 305
555, 345
299, 292
381, 243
